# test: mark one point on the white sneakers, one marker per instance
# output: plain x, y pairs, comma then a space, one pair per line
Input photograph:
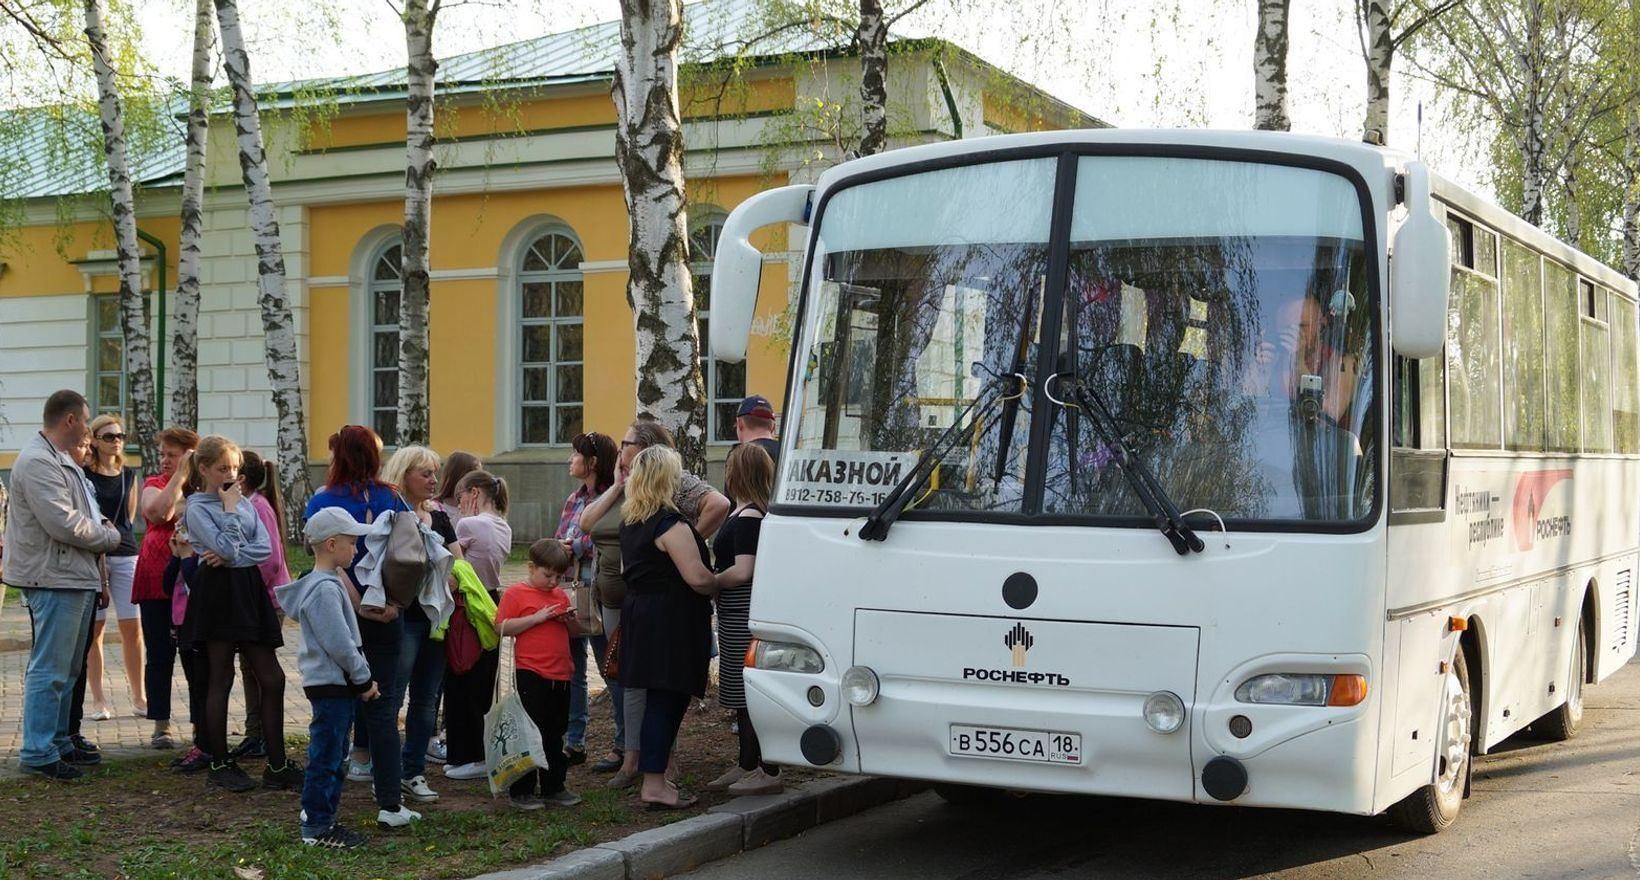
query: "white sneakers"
415, 788
357, 772
474, 770
399, 819
757, 782
436, 751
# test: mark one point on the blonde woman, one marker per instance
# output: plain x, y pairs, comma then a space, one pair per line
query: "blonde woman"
666, 617
413, 470
116, 490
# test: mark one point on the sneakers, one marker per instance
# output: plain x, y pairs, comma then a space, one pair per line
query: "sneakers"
529, 803
194, 761
286, 778
565, 798
400, 818
729, 777
357, 772
57, 771
83, 744
229, 777
81, 758
161, 741
336, 838
437, 752
575, 756
249, 747
757, 782
475, 770
415, 788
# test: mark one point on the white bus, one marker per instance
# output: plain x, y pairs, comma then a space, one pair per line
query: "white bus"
1225, 467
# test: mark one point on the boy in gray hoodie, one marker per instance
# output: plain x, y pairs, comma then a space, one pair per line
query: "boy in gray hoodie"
334, 673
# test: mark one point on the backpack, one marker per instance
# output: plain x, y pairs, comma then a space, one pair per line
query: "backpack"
405, 564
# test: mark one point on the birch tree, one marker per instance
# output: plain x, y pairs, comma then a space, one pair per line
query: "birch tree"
414, 402
1387, 25
133, 325
1270, 66
185, 335
1528, 67
278, 324
871, 38
1631, 193
649, 152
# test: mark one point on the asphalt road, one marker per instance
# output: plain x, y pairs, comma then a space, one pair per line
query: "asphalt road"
1538, 810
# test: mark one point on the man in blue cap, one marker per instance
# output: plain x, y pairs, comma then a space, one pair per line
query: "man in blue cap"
754, 423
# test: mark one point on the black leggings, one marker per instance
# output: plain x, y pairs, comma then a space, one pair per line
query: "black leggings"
751, 754
270, 679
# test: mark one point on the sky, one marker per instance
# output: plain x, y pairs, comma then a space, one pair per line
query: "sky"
1134, 63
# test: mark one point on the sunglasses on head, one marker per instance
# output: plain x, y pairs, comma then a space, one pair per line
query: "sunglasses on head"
110, 436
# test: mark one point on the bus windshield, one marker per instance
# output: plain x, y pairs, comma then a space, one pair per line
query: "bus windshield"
1222, 311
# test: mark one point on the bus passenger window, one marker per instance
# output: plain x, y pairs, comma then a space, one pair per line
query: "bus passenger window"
1597, 385
1625, 393
1417, 479
1522, 348
1473, 361
1561, 407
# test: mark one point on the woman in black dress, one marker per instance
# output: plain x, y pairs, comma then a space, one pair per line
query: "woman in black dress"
749, 477
666, 617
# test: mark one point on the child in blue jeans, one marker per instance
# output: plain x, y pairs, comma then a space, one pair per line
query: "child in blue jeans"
334, 672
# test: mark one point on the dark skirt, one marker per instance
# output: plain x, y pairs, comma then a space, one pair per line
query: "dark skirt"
666, 641
229, 605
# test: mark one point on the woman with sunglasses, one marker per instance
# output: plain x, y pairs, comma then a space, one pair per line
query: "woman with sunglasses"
116, 490
592, 462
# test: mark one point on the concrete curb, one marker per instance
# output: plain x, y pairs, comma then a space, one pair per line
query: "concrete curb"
727, 829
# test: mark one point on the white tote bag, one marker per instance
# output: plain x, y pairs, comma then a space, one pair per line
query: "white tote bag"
512, 743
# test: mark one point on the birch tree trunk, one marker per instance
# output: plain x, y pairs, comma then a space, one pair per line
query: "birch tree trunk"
414, 417
1631, 192
649, 152
1380, 58
139, 368
1569, 192
1533, 155
872, 37
278, 324
1270, 66
185, 335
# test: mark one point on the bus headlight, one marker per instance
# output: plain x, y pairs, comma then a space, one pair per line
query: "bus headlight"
783, 657
1164, 712
1293, 689
860, 685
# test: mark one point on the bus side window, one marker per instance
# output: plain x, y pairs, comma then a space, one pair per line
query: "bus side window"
1417, 476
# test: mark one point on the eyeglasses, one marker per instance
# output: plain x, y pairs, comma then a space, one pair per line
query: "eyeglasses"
116, 437
626, 443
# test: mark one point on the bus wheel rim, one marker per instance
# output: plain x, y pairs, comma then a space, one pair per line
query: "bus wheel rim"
1455, 733
1574, 688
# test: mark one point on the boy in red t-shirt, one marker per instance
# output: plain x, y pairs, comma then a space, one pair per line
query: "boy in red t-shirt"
541, 618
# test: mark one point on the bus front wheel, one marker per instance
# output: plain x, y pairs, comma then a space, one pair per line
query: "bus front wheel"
1562, 723
1434, 807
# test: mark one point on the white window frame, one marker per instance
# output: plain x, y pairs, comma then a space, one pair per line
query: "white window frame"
566, 268
373, 287
99, 333
703, 240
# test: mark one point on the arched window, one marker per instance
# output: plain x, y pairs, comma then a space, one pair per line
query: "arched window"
725, 382
551, 346
386, 288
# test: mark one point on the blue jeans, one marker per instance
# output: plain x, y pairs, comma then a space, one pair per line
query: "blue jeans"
576, 736
61, 623
377, 720
421, 672
327, 762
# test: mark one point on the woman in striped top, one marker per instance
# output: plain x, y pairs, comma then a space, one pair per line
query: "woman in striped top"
749, 478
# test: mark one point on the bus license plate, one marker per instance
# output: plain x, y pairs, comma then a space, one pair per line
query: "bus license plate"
1045, 746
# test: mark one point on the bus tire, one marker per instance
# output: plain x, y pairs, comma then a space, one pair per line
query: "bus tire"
967, 795
1434, 807
1562, 723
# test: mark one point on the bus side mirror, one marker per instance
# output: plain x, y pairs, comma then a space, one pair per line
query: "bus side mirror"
738, 267
1420, 275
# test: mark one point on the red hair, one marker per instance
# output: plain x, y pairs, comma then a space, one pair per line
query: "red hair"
355, 459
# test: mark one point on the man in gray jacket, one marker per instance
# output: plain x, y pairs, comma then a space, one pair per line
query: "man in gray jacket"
53, 537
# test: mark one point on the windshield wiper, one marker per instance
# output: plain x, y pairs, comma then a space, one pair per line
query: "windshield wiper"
1163, 512
963, 427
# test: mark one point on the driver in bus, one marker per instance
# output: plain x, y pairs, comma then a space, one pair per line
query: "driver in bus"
1302, 386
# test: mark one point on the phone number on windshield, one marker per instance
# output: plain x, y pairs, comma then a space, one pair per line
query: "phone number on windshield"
810, 495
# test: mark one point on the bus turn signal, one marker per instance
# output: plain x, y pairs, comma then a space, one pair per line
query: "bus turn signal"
1348, 690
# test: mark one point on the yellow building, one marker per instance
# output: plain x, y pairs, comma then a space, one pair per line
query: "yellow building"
531, 333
